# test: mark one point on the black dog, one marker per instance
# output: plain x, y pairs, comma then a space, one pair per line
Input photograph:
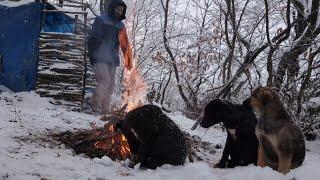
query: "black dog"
153, 137
240, 122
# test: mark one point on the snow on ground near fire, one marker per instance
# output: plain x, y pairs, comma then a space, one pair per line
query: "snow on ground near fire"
25, 154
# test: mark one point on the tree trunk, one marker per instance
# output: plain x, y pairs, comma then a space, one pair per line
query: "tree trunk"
289, 60
167, 47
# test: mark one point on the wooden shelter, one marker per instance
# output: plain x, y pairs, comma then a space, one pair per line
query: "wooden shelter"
63, 65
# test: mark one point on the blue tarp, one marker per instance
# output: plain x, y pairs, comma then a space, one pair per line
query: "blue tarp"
19, 37
58, 22
19, 42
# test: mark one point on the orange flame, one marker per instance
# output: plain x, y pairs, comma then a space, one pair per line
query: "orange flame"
135, 89
116, 147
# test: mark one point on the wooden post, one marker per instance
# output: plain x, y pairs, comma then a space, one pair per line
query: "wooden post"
84, 59
76, 17
85, 34
82, 7
60, 3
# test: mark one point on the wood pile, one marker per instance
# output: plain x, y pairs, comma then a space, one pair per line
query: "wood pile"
61, 67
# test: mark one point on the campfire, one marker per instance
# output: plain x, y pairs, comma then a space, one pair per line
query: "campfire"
115, 147
106, 141
134, 94
97, 142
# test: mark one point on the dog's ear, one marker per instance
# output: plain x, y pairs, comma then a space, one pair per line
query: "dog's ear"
266, 96
256, 91
259, 88
246, 103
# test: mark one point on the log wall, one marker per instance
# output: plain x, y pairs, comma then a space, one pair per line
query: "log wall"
61, 67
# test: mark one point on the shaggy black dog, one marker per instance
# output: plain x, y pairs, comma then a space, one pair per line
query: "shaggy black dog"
153, 137
240, 122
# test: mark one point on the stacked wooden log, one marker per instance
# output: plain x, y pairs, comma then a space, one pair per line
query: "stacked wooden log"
61, 67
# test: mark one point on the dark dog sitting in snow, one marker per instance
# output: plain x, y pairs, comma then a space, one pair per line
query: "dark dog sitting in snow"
280, 140
240, 122
154, 139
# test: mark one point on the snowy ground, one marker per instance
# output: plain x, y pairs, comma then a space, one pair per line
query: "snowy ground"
24, 154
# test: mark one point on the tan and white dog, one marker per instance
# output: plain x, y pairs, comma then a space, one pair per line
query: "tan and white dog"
281, 142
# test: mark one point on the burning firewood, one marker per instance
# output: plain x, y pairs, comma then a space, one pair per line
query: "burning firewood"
100, 141
107, 132
116, 115
198, 149
104, 140
97, 142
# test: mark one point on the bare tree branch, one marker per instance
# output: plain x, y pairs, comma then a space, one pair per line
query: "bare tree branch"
167, 47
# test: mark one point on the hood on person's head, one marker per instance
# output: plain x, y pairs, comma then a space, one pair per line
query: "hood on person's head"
113, 4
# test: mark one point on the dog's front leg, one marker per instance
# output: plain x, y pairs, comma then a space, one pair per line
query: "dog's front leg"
135, 159
261, 156
145, 149
143, 152
225, 154
284, 163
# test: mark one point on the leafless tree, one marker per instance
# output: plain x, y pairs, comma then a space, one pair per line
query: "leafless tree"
192, 50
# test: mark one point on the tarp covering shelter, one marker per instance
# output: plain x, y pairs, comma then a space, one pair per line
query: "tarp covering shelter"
58, 22
20, 29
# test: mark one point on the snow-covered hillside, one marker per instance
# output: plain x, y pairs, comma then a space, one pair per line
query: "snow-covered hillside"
26, 152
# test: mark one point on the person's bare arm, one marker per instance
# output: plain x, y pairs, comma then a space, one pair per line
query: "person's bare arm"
126, 49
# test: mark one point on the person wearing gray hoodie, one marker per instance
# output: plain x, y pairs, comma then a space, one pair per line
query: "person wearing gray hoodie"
107, 34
